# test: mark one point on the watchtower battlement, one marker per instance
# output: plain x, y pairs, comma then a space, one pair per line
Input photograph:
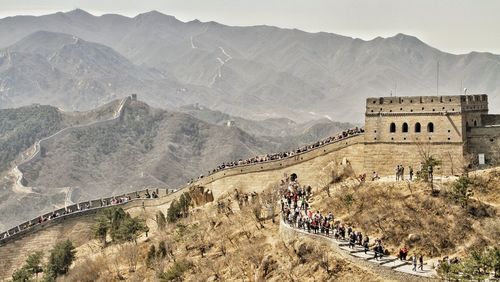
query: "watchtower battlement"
426, 104
450, 126
443, 119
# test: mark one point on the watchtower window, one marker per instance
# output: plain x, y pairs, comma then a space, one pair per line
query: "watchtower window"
418, 127
405, 127
381, 100
392, 128
430, 127
475, 123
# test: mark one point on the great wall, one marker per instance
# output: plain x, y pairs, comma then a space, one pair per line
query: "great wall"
37, 147
351, 151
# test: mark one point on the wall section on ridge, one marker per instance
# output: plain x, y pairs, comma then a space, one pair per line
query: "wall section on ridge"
310, 172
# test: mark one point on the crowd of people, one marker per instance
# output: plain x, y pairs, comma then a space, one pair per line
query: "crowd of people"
297, 212
400, 173
257, 159
284, 155
79, 208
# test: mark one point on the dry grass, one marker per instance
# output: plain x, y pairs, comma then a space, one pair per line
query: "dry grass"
225, 240
223, 245
393, 211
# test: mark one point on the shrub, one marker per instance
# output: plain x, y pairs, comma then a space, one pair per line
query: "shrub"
176, 271
476, 266
33, 266
179, 208
161, 221
60, 259
119, 225
21, 275
461, 192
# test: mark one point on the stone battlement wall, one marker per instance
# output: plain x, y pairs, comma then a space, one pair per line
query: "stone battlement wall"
427, 104
485, 140
39, 145
325, 150
384, 157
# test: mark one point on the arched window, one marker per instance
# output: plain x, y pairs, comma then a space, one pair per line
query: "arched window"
392, 128
466, 124
405, 127
430, 127
475, 123
418, 127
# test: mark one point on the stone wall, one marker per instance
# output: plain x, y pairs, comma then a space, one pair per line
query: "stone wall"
313, 172
484, 140
39, 145
384, 157
490, 120
406, 128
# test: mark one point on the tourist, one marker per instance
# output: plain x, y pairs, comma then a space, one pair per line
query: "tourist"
352, 240
402, 172
403, 252
375, 176
397, 170
411, 173
365, 243
414, 262
379, 251
421, 262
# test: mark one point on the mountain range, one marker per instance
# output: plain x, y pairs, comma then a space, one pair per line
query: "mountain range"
78, 61
147, 148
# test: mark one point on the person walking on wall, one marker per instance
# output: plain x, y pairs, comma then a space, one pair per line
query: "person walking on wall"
421, 262
411, 173
397, 172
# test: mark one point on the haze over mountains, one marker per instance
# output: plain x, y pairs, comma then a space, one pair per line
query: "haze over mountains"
146, 148
256, 72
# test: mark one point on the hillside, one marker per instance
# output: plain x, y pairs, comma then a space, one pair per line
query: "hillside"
236, 70
208, 245
21, 127
406, 214
139, 149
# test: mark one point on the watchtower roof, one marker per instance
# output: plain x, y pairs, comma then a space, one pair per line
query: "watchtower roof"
461, 99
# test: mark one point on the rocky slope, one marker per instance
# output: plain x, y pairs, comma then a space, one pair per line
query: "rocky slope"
146, 147
257, 71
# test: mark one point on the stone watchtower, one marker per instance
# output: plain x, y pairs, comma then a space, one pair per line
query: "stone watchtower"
399, 130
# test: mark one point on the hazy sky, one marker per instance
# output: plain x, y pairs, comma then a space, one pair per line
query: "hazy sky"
456, 26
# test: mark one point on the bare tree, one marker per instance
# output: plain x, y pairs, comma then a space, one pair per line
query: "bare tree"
130, 253
428, 164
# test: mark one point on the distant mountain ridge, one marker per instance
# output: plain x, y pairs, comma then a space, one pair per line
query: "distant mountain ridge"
257, 72
143, 147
